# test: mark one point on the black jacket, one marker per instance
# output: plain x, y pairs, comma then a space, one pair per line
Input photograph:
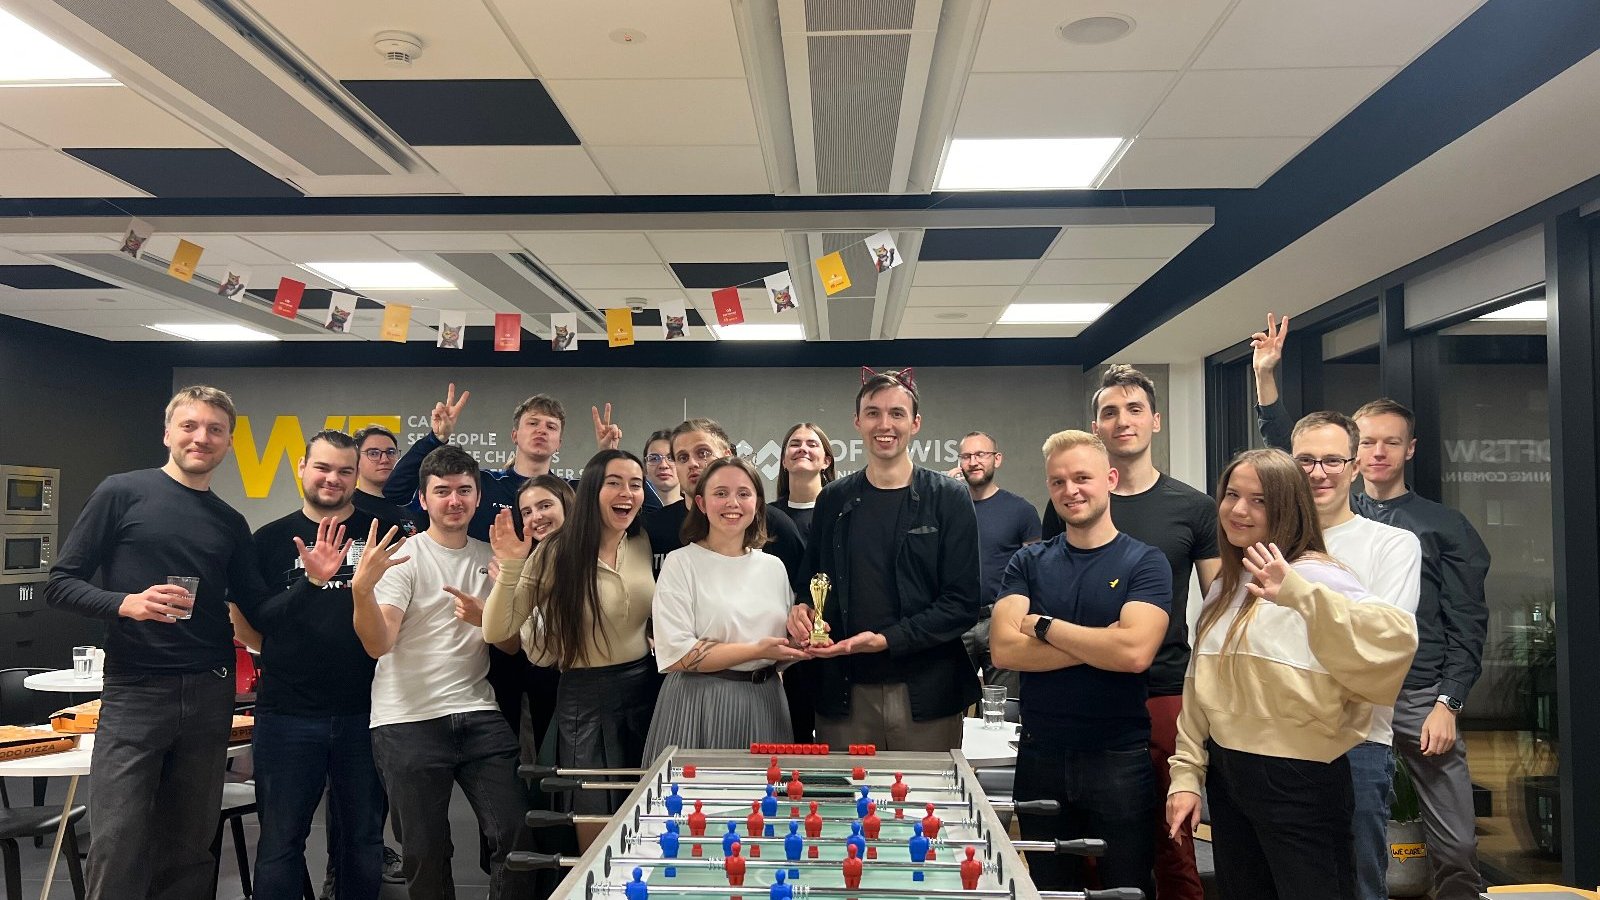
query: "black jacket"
936, 574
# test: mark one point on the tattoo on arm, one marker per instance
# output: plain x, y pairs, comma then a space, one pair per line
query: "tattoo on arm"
696, 657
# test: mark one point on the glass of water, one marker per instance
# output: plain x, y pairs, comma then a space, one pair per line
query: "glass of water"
190, 583
994, 706
83, 662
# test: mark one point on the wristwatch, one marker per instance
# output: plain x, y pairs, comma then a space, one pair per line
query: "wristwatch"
1450, 702
1041, 628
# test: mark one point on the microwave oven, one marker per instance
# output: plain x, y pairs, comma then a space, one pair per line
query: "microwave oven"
26, 553
28, 494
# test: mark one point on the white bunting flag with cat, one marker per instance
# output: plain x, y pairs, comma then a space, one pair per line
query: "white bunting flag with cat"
674, 320
885, 255
341, 309
452, 329
780, 290
564, 331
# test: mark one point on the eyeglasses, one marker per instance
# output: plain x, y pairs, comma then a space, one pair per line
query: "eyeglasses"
702, 456
656, 459
1332, 465
375, 454
977, 454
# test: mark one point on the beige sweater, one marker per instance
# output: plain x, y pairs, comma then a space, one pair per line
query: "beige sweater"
1303, 682
625, 596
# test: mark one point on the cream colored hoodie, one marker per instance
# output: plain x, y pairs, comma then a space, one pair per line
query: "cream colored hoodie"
1303, 682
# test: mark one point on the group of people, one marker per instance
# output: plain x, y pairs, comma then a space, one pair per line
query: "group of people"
417, 612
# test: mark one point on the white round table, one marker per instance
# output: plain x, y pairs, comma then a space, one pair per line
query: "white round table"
64, 681
986, 749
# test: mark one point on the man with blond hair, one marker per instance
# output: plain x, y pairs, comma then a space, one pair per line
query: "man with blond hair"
1081, 616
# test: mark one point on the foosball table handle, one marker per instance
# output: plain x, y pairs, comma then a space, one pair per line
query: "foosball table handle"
1125, 893
1082, 847
533, 773
524, 861
555, 784
547, 818
1037, 807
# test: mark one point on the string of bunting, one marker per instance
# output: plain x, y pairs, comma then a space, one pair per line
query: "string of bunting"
396, 323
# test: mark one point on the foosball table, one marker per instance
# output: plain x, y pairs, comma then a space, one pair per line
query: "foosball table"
792, 822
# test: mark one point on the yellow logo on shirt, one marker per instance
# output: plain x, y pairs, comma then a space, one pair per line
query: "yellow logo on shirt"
1114, 581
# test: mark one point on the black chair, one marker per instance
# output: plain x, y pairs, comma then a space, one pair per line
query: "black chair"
20, 705
38, 823
238, 801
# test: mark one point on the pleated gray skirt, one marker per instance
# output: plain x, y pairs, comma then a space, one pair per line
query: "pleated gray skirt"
704, 712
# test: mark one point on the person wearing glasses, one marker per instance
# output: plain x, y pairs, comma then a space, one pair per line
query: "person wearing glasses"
660, 475
377, 450
1005, 523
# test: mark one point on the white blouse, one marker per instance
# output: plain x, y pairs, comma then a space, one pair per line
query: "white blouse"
701, 594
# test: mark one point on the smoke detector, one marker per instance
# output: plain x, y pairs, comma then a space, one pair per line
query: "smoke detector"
637, 304
398, 48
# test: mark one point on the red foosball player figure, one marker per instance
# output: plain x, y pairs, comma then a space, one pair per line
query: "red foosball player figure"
697, 820
814, 822
899, 789
971, 870
734, 866
930, 828
796, 789
871, 824
852, 868
755, 822
774, 774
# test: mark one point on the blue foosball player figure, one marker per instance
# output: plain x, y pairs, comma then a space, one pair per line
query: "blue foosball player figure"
729, 839
794, 846
779, 890
856, 840
674, 802
769, 808
669, 847
862, 801
919, 849
637, 889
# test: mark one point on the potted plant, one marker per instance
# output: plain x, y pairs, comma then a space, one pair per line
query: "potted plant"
1410, 874
1534, 795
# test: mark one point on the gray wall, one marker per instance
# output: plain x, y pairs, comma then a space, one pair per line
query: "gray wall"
1019, 405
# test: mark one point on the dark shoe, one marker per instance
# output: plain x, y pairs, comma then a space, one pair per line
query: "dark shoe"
327, 887
392, 866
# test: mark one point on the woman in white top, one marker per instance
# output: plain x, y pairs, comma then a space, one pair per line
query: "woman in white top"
719, 622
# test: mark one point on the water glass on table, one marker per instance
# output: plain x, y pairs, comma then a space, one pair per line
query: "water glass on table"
83, 662
190, 583
994, 707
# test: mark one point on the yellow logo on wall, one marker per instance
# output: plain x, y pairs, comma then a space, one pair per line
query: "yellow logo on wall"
285, 442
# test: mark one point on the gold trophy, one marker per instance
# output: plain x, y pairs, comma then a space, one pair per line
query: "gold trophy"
820, 583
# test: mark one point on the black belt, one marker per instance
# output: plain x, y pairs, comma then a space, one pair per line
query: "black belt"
756, 677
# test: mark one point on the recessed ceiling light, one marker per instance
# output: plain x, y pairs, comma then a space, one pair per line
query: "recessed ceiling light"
1526, 311
950, 315
754, 332
1028, 164
381, 276
212, 331
27, 56
1052, 313
1095, 29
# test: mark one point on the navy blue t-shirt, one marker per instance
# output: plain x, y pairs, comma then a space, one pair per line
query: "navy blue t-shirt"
1005, 523
1081, 707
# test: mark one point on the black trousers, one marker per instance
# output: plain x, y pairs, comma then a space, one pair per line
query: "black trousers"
1281, 827
1106, 794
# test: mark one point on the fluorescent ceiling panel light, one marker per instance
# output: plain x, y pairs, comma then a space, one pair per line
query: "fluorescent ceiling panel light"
1032, 164
27, 56
212, 331
1526, 311
1052, 313
381, 276
752, 332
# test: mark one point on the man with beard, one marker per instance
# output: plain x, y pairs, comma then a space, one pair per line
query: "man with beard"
315, 697
378, 451
1005, 523
1082, 616
167, 705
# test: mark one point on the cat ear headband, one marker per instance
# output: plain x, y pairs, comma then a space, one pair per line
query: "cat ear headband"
905, 376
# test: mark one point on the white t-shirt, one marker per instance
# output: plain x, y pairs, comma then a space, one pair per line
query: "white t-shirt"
1388, 563
732, 599
439, 664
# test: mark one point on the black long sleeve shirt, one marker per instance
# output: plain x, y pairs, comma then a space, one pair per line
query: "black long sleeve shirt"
136, 529
1452, 611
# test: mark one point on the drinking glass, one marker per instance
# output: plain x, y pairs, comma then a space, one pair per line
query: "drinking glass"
190, 583
83, 662
994, 707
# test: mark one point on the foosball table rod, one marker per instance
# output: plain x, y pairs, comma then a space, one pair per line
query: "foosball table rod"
691, 773
1074, 847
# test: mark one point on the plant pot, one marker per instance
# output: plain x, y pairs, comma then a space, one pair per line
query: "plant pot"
1410, 873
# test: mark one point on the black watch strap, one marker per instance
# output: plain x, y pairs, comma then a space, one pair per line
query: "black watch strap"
1041, 628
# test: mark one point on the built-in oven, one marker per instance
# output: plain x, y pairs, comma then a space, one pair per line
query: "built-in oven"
28, 494
27, 552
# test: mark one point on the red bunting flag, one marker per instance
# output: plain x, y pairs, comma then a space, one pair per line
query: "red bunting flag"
729, 310
286, 302
507, 332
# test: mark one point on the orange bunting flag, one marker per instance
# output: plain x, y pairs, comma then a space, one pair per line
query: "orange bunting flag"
834, 278
729, 310
619, 327
184, 260
507, 332
286, 302
396, 323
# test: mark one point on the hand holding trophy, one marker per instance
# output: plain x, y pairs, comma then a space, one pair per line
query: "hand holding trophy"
820, 584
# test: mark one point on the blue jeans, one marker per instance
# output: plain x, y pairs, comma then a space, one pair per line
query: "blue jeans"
295, 757
421, 763
1372, 777
1107, 794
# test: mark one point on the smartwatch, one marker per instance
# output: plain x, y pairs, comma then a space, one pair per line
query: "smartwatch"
1041, 628
1450, 702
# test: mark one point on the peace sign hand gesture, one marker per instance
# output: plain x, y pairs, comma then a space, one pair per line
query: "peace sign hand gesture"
503, 538
1266, 565
1266, 347
606, 435
444, 415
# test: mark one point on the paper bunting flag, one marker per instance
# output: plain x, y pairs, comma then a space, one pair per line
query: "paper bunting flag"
286, 302
564, 331
507, 332
452, 329
780, 289
729, 310
341, 309
184, 260
834, 278
885, 255
234, 284
619, 327
396, 323
133, 239
674, 320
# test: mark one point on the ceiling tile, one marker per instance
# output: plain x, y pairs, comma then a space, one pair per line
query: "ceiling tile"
1262, 102
186, 172
1035, 331
517, 171
459, 40
602, 299
113, 317
942, 330
626, 112
94, 116
684, 170
681, 39
715, 276
48, 278
971, 295
304, 248
12, 258
267, 277
57, 243
451, 242
1124, 241
1096, 271
557, 248
1268, 34
10, 140
220, 249
1074, 293
1201, 162
1059, 105
718, 246
1020, 36
985, 243
14, 300
46, 173
467, 112
620, 277
936, 274
966, 316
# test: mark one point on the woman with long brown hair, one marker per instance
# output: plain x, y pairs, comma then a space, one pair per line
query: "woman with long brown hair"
1288, 663
807, 468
